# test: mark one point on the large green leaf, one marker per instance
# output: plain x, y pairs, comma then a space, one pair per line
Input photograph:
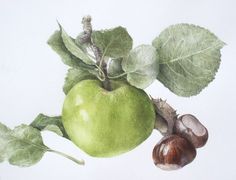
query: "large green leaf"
189, 58
74, 49
113, 43
141, 66
22, 146
57, 44
74, 76
54, 124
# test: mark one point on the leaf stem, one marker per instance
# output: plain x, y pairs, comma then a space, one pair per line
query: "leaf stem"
101, 75
118, 76
80, 162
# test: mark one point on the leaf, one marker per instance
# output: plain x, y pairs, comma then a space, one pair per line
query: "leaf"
53, 128
57, 44
3, 129
189, 58
75, 49
1, 155
22, 146
54, 124
74, 76
114, 43
114, 67
141, 66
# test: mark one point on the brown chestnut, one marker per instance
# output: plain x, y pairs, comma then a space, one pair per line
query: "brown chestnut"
189, 127
173, 152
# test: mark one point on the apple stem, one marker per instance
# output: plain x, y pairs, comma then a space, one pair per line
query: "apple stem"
80, 162
106, 83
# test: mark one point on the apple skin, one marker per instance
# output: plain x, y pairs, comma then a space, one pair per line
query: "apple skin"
107, 123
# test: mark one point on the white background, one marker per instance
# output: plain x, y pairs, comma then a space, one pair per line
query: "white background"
32, 76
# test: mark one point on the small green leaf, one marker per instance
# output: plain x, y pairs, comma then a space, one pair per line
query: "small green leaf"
1, 155
114, 67
189, 58
74, 76
56, 43
141, 66
114, 43
53, 128
3, 130
22, 146
54, 124
75, 49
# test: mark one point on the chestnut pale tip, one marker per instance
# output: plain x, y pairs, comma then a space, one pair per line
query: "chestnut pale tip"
168, 167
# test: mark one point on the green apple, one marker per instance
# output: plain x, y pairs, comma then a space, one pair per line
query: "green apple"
107, 123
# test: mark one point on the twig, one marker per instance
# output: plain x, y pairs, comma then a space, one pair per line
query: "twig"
86, 38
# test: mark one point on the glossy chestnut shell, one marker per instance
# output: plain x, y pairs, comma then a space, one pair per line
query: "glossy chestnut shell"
173, 152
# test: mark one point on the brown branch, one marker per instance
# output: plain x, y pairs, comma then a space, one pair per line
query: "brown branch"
85, 37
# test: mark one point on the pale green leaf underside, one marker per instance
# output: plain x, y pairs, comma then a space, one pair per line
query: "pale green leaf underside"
74, 49
141, 66
189, 58
74, 76
22, 146
114, 67
54, 124
113, 43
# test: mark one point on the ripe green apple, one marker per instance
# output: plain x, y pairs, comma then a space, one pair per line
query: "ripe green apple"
107, 123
